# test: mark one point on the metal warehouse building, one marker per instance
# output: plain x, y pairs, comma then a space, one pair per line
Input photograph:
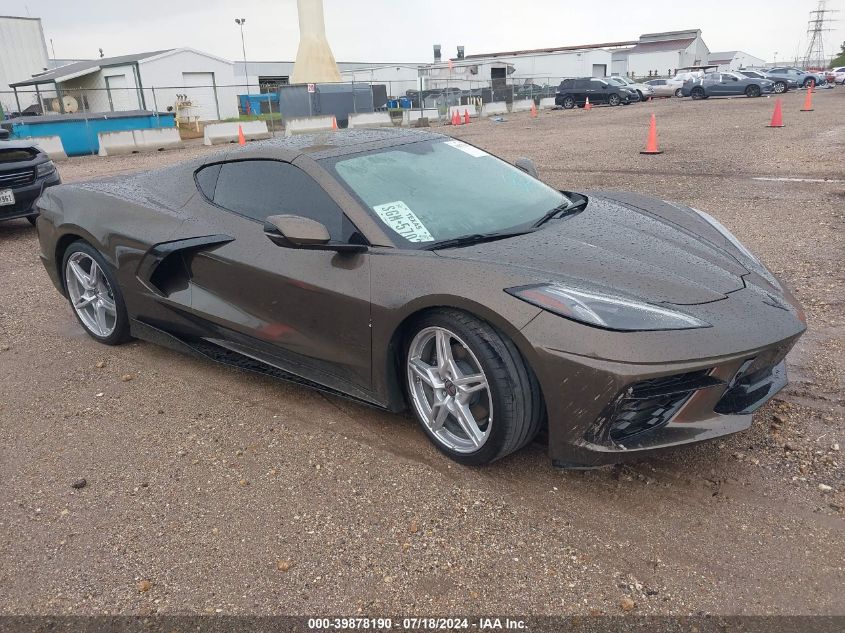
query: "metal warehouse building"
155, 80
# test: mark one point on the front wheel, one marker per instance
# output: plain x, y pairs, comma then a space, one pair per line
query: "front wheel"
470, 388
807, 82
94, 295
698, 93
568, 103
614, 100
679, 92
752, 91
779, 87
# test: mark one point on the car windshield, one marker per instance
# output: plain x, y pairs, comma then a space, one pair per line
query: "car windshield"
617, 81
436, 190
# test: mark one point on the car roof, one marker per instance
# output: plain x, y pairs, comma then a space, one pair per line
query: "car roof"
326, 145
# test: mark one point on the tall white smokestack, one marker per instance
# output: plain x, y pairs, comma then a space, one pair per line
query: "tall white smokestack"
314, 60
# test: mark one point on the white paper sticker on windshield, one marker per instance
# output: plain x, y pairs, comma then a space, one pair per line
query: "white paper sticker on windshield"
468, 149
405, 222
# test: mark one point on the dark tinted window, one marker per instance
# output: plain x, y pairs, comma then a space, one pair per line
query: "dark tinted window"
261, 188
582, 84
207, 180
597, 84
567, 83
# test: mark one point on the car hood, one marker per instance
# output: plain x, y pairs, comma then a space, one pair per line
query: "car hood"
637, 245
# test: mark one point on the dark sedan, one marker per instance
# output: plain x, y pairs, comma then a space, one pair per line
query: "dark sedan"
25, 171
406, 269
726, 85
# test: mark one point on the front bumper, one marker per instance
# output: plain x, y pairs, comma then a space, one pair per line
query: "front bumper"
26, 196
621, 396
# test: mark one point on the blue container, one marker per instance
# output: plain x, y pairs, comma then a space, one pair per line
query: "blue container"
393, 103
79, 131
258, 103
405, 102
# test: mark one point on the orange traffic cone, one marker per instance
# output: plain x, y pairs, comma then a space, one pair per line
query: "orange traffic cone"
455, 119
334, 123
587, 105
651, 144
808, 101
533, 110
466, 117
241, 139
777, 116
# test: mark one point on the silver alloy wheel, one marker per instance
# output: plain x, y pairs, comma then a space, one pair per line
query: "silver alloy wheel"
779, 87
90, 294
449, 390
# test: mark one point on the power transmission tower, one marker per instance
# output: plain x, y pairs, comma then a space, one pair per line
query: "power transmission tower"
816, 28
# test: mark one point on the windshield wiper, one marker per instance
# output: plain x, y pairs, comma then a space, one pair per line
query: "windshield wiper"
475, 238
560, 211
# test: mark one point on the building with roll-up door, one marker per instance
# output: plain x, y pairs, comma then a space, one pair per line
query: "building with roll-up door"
164, 80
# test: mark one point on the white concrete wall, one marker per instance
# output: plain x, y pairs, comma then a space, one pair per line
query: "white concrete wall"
23, 53
166, 74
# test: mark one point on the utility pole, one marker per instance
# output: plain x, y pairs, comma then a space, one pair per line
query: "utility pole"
816, 28
240, 22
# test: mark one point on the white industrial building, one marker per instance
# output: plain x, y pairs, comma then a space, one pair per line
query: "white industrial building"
23, 52
653, 54
197, 85
734, 60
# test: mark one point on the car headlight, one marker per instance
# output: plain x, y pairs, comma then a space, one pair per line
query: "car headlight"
45, 169
605, 310
755, 264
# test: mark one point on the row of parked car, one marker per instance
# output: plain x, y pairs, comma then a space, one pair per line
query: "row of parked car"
697, 84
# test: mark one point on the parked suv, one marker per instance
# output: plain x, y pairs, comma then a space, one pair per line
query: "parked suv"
25, 171
572, 92
801, 76
642, 91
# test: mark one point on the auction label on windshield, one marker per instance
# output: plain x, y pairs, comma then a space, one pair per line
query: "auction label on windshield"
467, 149
405, 222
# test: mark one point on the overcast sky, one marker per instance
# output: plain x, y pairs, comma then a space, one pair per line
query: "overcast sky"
403, 31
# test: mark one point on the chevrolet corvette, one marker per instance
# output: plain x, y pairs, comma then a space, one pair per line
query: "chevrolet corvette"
409, 270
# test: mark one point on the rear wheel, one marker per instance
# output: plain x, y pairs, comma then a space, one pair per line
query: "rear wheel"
614, 100
94, 295
807, 82
779, 87
470, 388
752, 91
568, 103
679, 93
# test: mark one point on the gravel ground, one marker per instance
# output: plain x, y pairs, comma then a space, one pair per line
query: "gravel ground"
209, 490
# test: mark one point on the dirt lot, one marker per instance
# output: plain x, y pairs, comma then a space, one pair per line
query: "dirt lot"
209, 490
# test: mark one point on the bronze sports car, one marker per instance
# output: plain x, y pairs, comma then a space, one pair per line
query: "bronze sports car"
411, 270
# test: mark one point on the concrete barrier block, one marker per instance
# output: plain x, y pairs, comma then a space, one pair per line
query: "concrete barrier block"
410, 117
51, 145
308, 125
157, 139
369, 119
523, 105
547, 103
494, 108
116, 143
218, 133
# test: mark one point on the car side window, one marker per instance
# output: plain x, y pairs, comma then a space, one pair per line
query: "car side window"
261, 188
597, 84
207, 180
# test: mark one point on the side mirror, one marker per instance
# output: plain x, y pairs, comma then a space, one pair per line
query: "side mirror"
294, 231
527, 165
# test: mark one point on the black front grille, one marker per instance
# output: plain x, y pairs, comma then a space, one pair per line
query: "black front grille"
649, 405
751, 388
17, 177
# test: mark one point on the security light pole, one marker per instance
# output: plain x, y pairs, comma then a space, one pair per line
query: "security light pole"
240, 22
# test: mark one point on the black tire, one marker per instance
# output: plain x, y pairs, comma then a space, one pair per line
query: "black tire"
807, 82
568, 103
698, 93
640, 96
752, 91
120, 334
513, 388
679, 92
614, 99
780, 87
